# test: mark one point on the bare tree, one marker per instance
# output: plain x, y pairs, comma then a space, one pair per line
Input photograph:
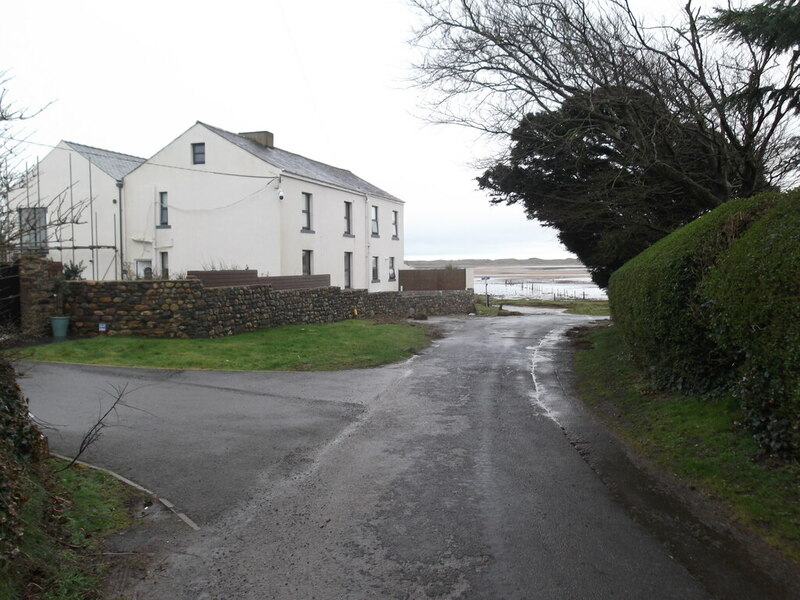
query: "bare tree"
488, 63
653, 114
26, 224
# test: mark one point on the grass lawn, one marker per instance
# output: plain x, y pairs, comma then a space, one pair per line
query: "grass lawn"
699, 439
65, 519
342, 345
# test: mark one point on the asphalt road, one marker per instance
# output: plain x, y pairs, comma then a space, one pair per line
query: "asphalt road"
447, 476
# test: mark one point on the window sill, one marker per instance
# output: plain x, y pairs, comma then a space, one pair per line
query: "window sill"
304, 230
348, 235
376, 235
394, 237
376, 281
163, 226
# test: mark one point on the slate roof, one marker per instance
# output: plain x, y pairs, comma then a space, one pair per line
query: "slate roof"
115, 164
300, 165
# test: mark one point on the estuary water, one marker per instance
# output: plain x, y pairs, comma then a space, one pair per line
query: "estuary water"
571, 282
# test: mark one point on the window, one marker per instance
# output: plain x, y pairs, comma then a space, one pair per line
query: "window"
375, 269
306, 211
375, 221
144, 269
392, 273
165, 265
307, 262
33, 228
348, 218
163, 209
348, 269
395, 230
198, 154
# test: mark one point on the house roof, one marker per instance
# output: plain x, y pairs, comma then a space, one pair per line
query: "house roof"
115, 164
295, 164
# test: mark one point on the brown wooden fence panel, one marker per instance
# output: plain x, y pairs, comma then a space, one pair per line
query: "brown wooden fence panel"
297, 282
225, 278
432, 279
250, 277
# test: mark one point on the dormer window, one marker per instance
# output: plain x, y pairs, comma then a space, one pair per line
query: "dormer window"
198, 154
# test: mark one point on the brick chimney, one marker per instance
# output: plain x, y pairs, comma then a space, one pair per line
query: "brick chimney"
263, 138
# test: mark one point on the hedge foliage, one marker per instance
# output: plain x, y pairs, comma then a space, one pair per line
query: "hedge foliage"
21, 445
715, 307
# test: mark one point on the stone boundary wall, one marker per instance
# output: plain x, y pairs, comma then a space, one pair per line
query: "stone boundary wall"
36, 300
187, 309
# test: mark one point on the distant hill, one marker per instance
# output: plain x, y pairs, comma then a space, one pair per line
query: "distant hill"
490, 262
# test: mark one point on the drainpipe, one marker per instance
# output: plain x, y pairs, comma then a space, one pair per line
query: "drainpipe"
156, 211
367, 218
121, 233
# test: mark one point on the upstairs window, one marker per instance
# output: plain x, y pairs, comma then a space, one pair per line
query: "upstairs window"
198, 154
395, 226
33, 228
348, 218
375, 231
163, 209
306, 212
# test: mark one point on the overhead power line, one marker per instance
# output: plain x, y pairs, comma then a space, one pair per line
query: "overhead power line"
133, 159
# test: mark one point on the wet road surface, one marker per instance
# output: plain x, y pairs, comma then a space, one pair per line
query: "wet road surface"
447, 476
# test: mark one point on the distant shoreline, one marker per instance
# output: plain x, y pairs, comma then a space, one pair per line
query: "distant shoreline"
491, 262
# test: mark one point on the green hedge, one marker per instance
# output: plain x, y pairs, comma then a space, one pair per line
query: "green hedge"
715, 307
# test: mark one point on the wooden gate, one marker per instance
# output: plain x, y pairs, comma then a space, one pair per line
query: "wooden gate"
9, 296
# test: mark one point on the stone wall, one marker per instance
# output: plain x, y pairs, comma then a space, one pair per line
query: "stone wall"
37, 302
188, 309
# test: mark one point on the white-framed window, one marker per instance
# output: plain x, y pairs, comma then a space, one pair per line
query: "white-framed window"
144, 268
164, 265
348, 218
308, 257
33, 228
306, 211
392, 272
375, 231
199, 154
375, 272
348, 270
163, 208
395, 225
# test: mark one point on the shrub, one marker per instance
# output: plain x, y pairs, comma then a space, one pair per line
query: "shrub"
709, 308
21, 443
752, 303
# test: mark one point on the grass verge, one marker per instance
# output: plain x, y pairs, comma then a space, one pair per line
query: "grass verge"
574, 307
700, 439
342, 345
65, 519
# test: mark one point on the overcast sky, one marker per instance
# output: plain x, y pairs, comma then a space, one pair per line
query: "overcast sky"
328, 78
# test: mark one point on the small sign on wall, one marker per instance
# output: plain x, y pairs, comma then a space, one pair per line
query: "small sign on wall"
102, 328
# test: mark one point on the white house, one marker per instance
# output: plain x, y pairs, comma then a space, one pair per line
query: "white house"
69, 206
212, 199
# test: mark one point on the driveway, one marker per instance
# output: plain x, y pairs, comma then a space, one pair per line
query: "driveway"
446, 476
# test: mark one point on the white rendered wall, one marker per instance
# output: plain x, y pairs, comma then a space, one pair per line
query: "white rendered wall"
222, 214
327, 239
88, 219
